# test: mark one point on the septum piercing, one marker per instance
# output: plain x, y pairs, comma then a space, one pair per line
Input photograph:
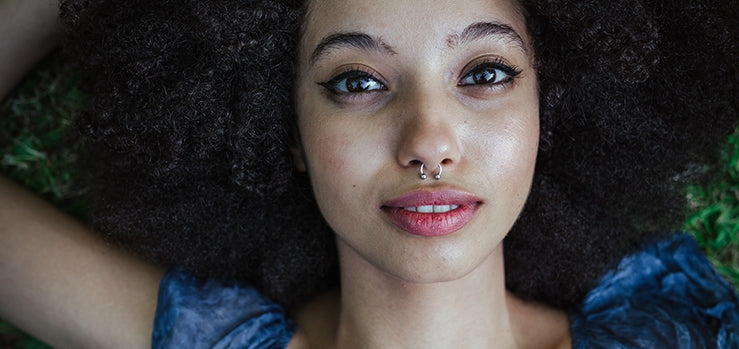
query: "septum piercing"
437, 176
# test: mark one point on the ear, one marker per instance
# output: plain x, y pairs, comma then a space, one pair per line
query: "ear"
296, 150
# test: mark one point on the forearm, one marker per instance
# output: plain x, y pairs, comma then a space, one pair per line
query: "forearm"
65, 285
29, 29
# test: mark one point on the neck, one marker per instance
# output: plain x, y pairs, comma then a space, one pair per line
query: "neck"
376, 310
381, 311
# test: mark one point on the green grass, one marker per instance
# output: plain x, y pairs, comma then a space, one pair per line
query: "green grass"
715, 214
35, 151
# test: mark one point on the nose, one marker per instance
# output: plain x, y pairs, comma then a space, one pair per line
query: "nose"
429, 134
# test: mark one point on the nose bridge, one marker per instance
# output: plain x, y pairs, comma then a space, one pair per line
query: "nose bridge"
429, 133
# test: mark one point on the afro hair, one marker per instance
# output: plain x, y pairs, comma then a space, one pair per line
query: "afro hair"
191, 120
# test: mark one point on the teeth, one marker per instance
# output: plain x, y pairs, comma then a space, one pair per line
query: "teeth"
431, 208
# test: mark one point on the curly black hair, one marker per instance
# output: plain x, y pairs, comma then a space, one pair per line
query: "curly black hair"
191, 123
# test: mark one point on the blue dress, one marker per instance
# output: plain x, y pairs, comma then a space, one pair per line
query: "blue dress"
665, 296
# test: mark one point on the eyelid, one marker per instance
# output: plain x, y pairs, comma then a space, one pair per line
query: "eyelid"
344, 70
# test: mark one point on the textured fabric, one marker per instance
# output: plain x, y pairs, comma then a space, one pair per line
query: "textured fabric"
194, 314
665, 296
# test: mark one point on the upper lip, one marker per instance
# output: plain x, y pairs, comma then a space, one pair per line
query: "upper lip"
435, 197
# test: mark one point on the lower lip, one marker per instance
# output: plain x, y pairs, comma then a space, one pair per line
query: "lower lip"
431, 224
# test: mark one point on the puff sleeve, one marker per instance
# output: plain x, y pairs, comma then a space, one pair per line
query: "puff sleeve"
665, 296
208, 314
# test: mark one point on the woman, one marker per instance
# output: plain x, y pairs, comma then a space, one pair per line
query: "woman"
416, 129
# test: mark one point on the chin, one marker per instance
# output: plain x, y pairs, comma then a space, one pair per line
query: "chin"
441, 268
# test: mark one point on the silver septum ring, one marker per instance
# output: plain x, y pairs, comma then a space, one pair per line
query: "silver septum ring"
437, 176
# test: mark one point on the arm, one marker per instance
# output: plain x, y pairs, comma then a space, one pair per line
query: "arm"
29, 29
59, 281
66, 286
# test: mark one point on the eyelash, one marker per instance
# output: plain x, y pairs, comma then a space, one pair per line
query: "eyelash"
496, 65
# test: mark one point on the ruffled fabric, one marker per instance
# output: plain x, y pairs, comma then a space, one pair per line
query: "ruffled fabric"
666, 296
195, 314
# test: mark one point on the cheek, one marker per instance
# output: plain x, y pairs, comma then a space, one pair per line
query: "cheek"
326, 145
522, 137
508, 152
321, 139
343, 164
341, 159
326, 159
522, 131
325, 163
525, 144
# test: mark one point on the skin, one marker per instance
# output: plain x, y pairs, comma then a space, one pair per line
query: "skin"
30, 30
65, 285
363, 148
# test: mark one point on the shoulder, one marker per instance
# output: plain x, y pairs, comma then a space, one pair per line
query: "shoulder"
666, 295
195, 313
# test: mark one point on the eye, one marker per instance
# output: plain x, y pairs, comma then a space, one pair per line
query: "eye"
353, 81
489, 73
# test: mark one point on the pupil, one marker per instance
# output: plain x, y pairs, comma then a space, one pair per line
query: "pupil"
485, 76
357, 84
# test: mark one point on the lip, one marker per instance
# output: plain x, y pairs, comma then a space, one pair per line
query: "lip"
457, 209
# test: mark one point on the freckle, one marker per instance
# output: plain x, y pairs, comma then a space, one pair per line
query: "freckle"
354, 185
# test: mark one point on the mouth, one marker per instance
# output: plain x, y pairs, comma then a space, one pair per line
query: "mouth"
434, 213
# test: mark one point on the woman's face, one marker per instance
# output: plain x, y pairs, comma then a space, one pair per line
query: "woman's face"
384, 86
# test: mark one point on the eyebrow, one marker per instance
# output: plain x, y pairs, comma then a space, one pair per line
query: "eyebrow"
362, 41
350, 39
481, 30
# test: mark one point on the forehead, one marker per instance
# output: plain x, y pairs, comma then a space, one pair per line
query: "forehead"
409, 21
